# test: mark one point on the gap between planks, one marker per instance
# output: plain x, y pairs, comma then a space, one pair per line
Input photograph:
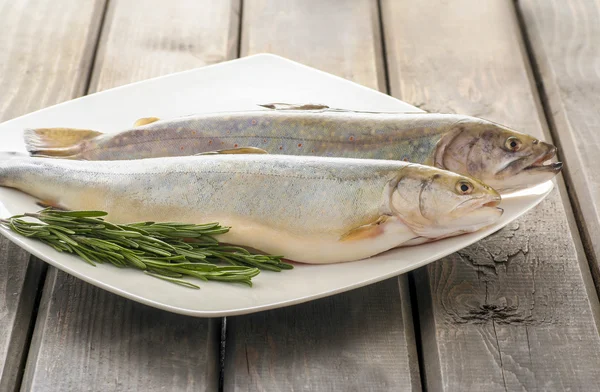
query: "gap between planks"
566, 185
223, 336
44, 272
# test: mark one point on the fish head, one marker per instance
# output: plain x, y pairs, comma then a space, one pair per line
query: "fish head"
502, 158
436, 203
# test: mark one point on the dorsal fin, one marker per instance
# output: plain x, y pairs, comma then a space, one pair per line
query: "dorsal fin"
145, 121
315, 107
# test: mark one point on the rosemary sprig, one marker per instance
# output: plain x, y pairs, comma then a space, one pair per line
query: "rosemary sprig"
166, 250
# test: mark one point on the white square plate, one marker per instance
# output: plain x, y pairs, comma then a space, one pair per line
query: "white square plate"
234, 85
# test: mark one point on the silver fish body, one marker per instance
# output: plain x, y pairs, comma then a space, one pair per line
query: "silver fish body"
504, 159
408, 137
309, 209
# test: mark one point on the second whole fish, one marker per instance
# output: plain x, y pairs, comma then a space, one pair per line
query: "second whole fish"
504, 159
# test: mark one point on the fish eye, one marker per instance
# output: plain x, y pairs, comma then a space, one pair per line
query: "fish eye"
513, 144
464, 187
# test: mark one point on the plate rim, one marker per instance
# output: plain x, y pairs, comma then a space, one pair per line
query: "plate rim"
33, 247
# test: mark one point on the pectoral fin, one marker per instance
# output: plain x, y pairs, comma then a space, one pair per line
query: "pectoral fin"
289, 106
241, 150
369, 230
145, 121
418, 241
51, 204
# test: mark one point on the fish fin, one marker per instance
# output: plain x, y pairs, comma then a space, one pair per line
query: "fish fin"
290, 106
56, 142
51, 204
321, 107
417, 241
366, 231
241, 150
145, 121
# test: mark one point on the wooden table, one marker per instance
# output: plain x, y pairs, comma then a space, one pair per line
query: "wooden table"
516, 311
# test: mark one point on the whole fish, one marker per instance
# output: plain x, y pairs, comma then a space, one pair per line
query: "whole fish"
500, 157
309, 209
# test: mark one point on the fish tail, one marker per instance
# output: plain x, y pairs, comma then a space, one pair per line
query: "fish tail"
57, 142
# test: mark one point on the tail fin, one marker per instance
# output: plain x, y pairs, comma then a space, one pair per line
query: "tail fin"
56, 142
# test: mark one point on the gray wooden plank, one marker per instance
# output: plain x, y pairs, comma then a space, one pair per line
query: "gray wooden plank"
92, 340
352, 342
342, 38
361, 340
33, 77
86, 338
517, 310
564, 39
20, 278
154, 38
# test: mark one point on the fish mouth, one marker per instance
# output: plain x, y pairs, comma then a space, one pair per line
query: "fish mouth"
493, 206
493, 203
542, 164
539, 164
489, 203
484, 216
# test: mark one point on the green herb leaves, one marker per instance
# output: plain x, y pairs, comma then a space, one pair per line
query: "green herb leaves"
168, 250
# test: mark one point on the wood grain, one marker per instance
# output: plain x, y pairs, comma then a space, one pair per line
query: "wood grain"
32, 76
352, 342
361, 340
90, 340
154, 38
516, 311
20, 279
86, 338
342, 38
564, 42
